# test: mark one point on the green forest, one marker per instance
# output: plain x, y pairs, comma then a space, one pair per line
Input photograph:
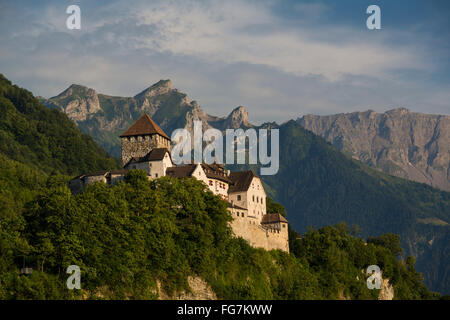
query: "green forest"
320, 186
127, 236
45, 139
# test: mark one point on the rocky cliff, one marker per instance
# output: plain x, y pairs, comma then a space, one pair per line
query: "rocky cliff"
106, 117
406, 144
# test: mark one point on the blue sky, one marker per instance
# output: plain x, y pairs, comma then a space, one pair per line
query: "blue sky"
280, 59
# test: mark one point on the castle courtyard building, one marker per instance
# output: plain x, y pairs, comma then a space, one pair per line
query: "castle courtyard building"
146, 146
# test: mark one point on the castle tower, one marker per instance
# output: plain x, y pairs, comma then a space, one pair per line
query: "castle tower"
143, 136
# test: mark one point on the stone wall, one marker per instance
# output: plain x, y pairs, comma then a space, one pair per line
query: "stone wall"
199, 290
140, 146
257, 236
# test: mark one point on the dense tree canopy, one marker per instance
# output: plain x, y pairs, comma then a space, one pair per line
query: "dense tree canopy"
127, 236
45, 139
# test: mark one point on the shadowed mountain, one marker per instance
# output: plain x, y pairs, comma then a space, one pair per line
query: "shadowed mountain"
406, 144
320, 186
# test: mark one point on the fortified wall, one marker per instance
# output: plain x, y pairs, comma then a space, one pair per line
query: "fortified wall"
268, 237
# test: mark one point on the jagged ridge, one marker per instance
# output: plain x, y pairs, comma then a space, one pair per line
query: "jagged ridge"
104, 117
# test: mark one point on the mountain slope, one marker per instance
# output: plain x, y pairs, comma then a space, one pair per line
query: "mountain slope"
45, 139
126, 248
106, 117
406, 144
320, 186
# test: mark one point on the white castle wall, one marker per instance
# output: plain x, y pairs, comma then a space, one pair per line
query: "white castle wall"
256, 235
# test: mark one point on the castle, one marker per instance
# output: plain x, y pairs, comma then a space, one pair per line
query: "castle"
145, 146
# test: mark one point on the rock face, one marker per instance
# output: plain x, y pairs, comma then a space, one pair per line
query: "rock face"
106, 117
238, 118
387, 291
199, 290
409, 145
78, 102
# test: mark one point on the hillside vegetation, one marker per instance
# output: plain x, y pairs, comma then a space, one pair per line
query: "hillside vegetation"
127, 236
45, 139
320, 186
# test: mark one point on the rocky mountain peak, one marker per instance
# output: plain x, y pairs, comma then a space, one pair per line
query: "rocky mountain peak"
400, 142
238, 118
77, 101
77, 90
161, 87
398, 111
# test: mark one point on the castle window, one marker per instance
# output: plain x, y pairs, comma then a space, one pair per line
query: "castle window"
253, 198
239, 197
210, 182
156, 175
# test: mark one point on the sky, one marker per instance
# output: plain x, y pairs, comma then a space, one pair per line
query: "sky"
281, 59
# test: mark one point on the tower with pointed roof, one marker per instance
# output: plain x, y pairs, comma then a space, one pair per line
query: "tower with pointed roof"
141, 138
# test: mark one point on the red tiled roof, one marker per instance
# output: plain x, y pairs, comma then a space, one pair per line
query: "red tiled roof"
144, 126
181, 171
273, 218
241, 180
156, 154
215, 171
232, 205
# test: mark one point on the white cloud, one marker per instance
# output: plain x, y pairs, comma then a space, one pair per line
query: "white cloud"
238, 31
222, 54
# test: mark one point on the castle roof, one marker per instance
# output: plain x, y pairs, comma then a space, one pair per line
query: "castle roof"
216, 171
273, 218
241, 180
234, 206
144, 126
181, 171
101, 173
156, 154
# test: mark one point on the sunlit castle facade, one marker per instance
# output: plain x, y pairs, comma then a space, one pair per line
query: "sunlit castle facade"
146, 146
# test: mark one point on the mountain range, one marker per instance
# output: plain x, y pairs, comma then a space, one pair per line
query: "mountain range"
106, 117
406, 144
319, 182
